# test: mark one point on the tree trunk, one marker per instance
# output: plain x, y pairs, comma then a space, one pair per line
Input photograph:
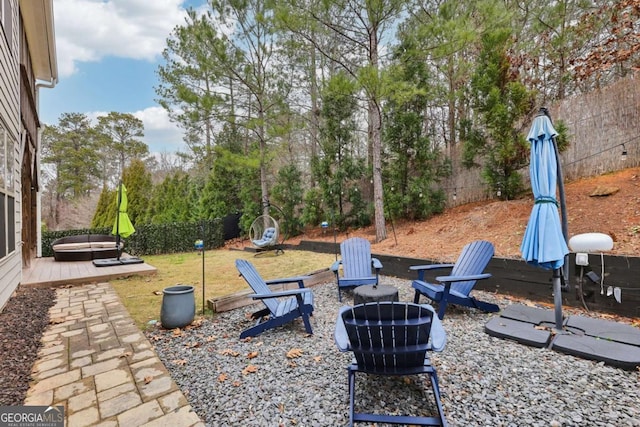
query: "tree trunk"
375, 141
315, 110
378, 193
263, 166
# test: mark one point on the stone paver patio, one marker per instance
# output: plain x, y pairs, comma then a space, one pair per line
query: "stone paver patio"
98, 365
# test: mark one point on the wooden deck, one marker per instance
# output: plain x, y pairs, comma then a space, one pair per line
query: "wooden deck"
46, 272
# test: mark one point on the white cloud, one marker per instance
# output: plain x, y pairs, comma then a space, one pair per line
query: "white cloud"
160, 134
88, 30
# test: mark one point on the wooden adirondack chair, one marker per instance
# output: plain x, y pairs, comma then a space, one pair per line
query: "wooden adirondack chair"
278, 311
391, 338
456, 287
357, 265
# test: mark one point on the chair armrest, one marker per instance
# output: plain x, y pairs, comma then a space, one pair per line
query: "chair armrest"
280, 294
335, 266
422, 268
299, 279
430, 266
340, 334
376, 263
438, 335
450, 279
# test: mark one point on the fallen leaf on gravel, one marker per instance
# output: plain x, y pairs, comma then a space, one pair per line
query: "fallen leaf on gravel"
229, 352
180, 362
252, 354
196, 323
177, 332
222, 377
236, 383
249, 369
294, 352
211, 338
317, 358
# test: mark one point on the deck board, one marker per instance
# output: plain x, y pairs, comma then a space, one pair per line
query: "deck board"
45, 272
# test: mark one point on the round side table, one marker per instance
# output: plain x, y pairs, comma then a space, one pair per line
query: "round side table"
370, 293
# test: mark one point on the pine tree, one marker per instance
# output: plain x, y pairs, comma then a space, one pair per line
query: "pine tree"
104, 215
137, 180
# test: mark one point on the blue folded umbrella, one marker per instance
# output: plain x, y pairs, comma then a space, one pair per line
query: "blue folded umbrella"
543, 244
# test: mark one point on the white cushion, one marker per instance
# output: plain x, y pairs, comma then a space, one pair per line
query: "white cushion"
71, 246
98, 245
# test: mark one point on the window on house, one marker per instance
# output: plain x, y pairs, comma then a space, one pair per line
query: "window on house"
7, 194
5, 19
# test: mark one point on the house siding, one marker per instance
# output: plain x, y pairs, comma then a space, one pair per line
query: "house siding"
11, 265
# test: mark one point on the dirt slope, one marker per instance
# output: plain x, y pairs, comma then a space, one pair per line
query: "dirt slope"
504, 223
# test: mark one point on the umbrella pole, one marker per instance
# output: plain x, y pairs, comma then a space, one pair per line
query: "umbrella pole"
118, 221
563, 208
557, 298
203, 290
559, 274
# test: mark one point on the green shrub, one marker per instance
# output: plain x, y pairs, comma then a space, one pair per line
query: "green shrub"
153, 239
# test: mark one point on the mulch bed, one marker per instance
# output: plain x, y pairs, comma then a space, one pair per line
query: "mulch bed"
23, 320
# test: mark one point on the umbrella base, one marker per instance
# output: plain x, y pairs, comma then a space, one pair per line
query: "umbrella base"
110, 262
610, 342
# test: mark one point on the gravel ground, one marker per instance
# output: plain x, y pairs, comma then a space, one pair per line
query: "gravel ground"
22, 321
284, 377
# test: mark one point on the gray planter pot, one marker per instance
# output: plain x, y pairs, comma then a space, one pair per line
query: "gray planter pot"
178, 306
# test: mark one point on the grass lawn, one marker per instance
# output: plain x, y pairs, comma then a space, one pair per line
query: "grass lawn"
142, 295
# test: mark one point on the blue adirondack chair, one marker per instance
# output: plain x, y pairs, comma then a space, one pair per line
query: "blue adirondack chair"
456, 287
278, 311
391, 338
357, 265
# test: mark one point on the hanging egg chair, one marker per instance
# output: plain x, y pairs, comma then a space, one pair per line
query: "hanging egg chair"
264, 233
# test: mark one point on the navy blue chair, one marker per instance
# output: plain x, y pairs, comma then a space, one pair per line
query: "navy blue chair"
456, 287
358, 267
296, 303
391, 338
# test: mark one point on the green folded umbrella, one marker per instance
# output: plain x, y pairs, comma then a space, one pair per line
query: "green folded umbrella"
123, 226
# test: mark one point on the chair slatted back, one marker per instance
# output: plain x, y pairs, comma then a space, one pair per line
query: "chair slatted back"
356, 257
388, 336
472, 260
253, 278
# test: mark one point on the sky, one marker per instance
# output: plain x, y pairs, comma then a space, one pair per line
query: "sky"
108, 52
